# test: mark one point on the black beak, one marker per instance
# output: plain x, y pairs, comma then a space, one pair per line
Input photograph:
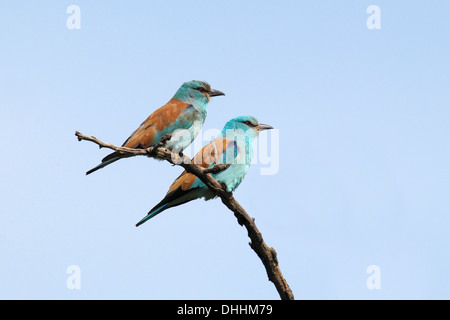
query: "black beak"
215, 93
262, 127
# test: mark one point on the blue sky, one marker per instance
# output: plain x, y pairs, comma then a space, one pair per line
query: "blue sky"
363, 122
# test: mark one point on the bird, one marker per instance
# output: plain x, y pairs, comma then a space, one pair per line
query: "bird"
183, 117
233, 146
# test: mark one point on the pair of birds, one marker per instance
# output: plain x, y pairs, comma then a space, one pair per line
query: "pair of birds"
183, 116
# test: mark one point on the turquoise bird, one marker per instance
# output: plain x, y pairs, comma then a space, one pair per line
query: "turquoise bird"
183, 116
233, 146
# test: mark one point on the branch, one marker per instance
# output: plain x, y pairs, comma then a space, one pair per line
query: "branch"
267, 255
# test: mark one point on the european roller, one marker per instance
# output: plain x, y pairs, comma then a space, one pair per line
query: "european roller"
234, 146
183, 116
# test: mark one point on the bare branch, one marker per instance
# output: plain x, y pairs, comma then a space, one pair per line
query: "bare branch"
267, 255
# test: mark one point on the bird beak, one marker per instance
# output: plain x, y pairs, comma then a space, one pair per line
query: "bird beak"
215, 93
262, 127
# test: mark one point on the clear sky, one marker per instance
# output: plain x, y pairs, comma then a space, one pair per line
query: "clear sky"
362, 116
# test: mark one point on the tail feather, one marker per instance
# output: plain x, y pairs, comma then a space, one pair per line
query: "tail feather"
110, 158
173, 199
114, 155
157, 209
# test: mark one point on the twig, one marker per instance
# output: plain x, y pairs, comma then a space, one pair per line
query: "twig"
267, 255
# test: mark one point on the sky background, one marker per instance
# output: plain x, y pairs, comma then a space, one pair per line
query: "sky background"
363, 123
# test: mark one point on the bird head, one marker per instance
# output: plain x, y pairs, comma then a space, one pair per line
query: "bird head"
194, 90
242, 130
248, 124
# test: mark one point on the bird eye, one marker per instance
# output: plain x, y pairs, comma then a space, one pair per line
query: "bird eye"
248, 123
201, 89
